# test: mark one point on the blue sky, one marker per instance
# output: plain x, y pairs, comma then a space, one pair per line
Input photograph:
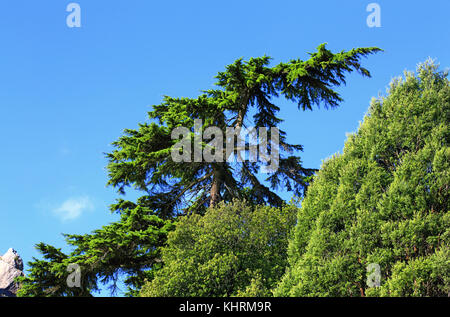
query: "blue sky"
67, 93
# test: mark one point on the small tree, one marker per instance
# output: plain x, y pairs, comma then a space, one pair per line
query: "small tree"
233, 250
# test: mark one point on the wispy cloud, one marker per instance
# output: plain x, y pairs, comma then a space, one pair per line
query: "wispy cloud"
73, 208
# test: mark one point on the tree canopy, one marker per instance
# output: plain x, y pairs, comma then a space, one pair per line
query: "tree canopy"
382, 203
126, 247
143, 159
233, 250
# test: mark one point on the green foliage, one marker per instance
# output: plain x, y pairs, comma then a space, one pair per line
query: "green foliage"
129, 247
421, 276
142, 159
385, 200
233, 250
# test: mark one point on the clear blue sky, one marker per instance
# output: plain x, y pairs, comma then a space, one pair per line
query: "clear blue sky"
67, 93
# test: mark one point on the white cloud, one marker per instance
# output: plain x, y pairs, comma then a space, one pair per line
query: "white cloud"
72, 208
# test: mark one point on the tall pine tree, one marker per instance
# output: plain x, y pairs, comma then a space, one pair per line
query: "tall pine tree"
143, 159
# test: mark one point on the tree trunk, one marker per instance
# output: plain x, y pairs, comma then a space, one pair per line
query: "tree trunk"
215, 189
215, 197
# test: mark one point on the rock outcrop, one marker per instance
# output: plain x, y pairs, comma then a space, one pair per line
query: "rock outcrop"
11, 266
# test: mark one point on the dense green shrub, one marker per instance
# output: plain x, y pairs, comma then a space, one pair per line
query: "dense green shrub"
233, 250
384, 200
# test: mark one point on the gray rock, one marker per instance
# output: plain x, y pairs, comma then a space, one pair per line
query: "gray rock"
11, 266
